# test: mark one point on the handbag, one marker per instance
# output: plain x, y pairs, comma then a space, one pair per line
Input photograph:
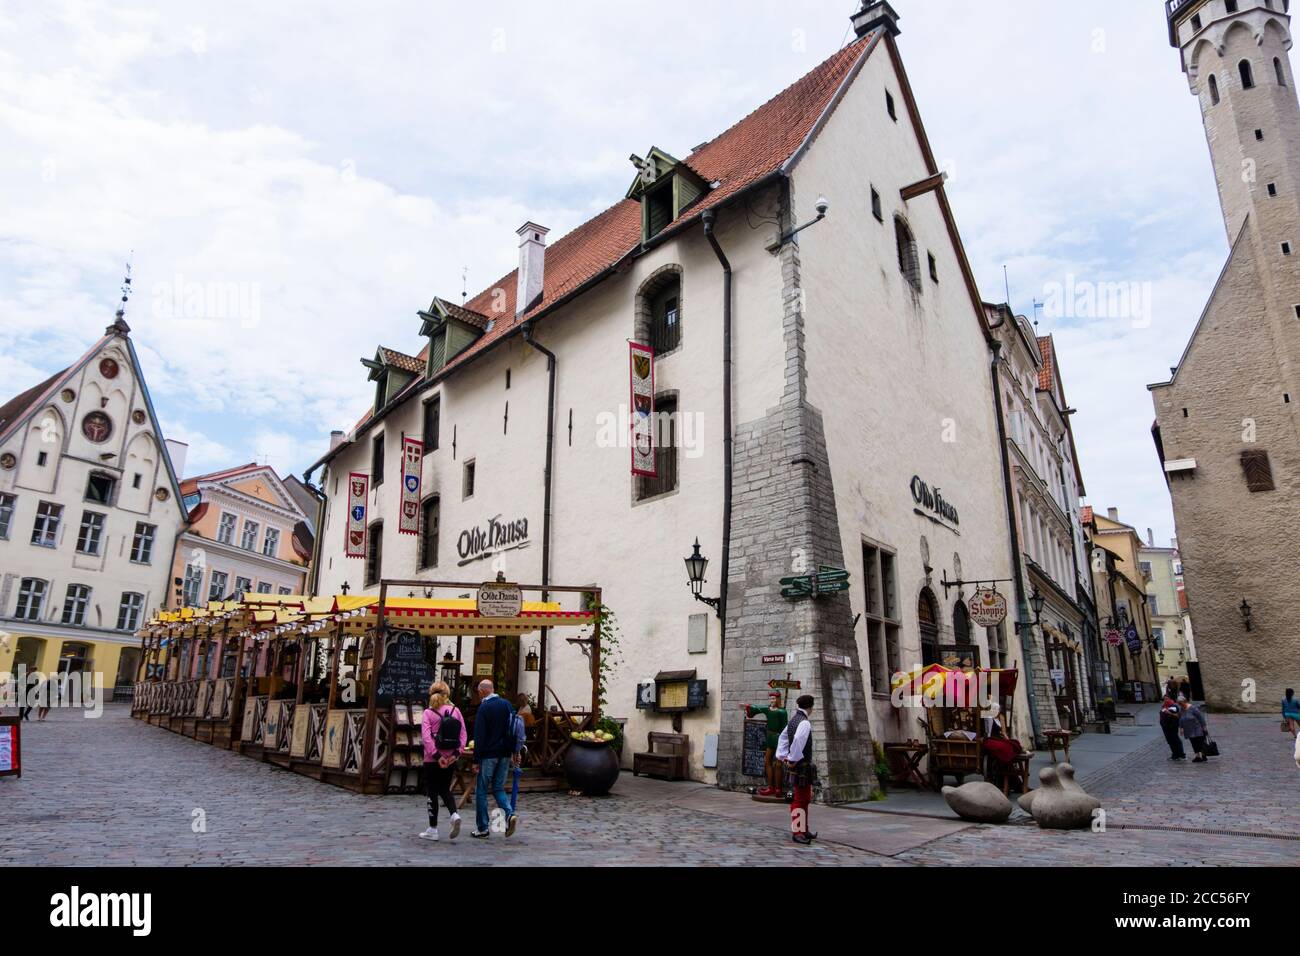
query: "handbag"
1211, 748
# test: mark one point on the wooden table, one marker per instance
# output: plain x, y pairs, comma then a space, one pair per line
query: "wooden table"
910, 756
1061, 739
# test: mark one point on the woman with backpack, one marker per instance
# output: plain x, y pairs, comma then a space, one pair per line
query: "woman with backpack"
443, 731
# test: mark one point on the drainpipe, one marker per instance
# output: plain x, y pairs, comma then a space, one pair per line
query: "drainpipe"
546, 503
709, 217
1025, 627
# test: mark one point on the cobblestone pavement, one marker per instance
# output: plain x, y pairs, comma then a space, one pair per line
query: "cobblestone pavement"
116, 791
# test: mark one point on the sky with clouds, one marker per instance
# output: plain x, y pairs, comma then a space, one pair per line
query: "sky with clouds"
295, 181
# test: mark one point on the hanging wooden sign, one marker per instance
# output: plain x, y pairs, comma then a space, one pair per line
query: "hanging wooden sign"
987, 608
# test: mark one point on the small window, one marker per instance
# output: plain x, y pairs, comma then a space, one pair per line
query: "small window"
31, 599
264, 587
432, 423
1186, 413
136, 479
91, 533
142, 543
1272, 189
99, 488
7, 505
1259, 135
191, 585
283, 591
1247, 75
429, 520
1214, 90
908, 262
934, 266
375, 554
1281, 73
1231, 5
507, 380
243, 586
665, 452
1286, 248
45, 530
217, 585
1297, 311
468, 483
889, 106
41, 459
128, 612
1258, 471
377, 461
665, 318
1196, 22
75, 602
875, 205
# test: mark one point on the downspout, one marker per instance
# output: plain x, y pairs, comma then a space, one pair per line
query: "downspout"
709, 217
546, 497
1024, 627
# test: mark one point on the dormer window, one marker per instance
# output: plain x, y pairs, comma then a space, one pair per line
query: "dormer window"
666, 187
450, 329
391, 371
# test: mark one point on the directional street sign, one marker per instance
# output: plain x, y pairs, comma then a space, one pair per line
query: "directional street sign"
775, 684
826, 581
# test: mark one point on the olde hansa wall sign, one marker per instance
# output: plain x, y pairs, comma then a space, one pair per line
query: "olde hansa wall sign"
497, 536
935, 507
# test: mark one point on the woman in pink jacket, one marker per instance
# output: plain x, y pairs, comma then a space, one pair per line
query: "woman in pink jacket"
443, 731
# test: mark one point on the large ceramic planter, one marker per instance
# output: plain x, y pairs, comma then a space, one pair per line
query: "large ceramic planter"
591, 768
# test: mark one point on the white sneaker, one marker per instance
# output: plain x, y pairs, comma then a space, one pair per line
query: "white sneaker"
430, 834
454, 830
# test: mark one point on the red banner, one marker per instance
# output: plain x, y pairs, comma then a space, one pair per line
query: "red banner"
355, 531
641, 371
412, 462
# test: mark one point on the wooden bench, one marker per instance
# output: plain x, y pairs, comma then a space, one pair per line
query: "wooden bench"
668, 757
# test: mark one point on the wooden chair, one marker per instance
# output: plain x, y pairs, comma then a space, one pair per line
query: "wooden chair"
668, 757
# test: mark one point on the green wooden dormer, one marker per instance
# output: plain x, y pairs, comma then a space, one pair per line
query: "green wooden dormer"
666, 187
391, 371
450, 329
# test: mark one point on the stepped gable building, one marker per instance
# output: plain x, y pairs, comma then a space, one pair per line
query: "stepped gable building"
822, 397
1228, 420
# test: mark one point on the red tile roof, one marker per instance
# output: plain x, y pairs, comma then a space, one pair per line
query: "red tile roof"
13, 409
1047, 374
1086, 515
407, 363
753, 149
190, 486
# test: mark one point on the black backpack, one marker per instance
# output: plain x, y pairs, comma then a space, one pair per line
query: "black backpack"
448, 738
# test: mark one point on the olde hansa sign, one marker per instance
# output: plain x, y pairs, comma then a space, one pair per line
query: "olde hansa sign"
936, 508
494, 537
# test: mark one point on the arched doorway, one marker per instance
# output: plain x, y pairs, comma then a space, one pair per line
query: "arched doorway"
927, 614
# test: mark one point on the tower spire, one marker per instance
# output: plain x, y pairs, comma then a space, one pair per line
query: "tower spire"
119, 327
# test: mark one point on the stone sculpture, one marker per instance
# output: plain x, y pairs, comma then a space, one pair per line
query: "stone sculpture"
978, 802
1059, 803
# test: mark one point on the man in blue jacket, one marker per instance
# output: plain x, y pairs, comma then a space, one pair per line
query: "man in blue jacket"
495, 745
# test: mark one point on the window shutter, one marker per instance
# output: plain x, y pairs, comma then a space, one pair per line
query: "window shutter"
1259, 473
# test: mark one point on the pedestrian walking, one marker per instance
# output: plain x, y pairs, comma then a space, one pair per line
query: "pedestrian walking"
1291, 712
1170, 713
443, 732
1192, 722
495, 745
1185, 688
795, 751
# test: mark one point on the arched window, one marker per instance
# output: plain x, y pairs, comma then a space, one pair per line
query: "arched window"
927, 614
1247, 75
909, 262
961, 623
1214, 90
1281, 74
659, 311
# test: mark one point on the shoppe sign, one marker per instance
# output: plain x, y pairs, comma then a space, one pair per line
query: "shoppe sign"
987, 607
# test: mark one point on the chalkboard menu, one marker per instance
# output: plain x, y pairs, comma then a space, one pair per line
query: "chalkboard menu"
697, 695
754, 749
406, 673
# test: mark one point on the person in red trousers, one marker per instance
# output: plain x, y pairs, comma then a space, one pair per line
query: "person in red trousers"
795, 751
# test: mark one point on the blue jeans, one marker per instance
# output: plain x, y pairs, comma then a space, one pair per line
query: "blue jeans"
491, 776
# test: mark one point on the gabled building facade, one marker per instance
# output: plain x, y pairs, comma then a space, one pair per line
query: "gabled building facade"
247, 534
1121, 582
822, 397
1228, 420
90, 511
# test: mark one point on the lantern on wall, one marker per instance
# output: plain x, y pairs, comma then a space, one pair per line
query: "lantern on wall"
531, 660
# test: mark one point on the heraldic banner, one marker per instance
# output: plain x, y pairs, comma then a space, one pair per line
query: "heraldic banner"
412, 457
642, 426
358, 493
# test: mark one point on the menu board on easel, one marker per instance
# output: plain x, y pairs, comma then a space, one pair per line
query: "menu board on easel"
10, 747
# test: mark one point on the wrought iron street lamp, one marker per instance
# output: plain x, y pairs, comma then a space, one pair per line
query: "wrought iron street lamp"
696, 565
1037, 602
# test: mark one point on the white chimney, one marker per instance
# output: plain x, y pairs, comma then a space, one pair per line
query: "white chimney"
176, 451
336, 439
1113, 514
532, 266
